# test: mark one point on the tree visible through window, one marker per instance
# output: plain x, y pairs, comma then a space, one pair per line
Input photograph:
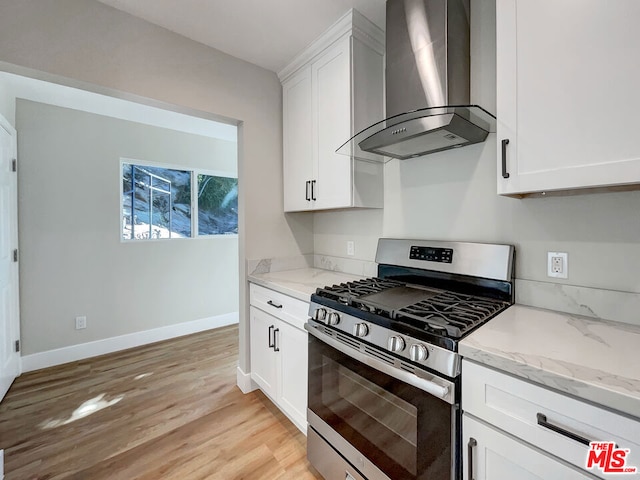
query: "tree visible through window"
217, 205
157, 203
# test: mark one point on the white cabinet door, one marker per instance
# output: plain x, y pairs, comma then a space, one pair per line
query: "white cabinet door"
331, 80
293, 346
567, 101
297, 141
263, 356
489, 454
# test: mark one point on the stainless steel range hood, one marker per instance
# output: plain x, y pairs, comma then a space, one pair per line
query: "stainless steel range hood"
427, 85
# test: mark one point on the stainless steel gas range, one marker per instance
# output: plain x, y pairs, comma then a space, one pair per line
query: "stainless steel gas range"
384, 372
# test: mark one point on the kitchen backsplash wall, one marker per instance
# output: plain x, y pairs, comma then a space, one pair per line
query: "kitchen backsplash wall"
278, 264
452, 196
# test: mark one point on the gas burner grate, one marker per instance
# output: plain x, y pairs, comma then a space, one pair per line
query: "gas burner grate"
445, 313
453, 313
348, 293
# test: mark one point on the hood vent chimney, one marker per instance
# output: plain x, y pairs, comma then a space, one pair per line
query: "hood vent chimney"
427, 84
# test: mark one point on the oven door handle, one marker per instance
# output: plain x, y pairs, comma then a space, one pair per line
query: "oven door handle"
444, 392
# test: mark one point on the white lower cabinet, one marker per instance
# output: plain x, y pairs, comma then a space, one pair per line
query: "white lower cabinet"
524, 430
490, 454
263, 356
292, 395
279, 352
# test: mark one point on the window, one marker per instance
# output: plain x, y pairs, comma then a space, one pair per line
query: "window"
217, 205
157, 203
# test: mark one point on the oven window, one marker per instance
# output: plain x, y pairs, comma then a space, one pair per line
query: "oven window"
404, 431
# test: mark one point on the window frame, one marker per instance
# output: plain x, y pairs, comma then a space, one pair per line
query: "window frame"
193, 175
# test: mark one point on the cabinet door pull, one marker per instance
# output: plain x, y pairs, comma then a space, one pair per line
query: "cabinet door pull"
313, 192
542, 421
505, 142
273, 304
470, 446
271, 343
306, 188
275, 338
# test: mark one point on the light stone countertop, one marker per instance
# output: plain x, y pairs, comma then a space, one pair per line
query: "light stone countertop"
592, 359
302, 282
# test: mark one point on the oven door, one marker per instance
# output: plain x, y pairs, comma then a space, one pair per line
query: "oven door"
381, 424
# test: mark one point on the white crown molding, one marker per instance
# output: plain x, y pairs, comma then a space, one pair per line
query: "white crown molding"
351, 23
81, 351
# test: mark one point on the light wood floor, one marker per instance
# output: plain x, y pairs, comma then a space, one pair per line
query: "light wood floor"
170, 410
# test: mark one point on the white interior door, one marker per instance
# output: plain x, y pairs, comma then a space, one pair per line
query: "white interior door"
9, 307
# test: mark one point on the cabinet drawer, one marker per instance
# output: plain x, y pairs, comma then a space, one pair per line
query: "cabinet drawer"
496, 456
284, 307
515, 406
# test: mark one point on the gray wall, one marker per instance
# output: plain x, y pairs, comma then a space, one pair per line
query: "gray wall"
452, 196
6, 109
90, 42
73, 262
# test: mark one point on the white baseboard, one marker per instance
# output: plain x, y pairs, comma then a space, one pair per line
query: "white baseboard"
1, 464
81, 351
245, 384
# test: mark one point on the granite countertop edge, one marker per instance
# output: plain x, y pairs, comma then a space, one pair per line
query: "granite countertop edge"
302, 282
579, 369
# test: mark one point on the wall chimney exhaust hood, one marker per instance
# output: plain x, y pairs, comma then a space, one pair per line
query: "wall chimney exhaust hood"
427, 85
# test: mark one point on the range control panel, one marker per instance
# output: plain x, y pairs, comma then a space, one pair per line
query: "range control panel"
430, 254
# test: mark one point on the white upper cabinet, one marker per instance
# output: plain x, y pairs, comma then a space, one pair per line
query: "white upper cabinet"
330, 92
297, 128
567, 94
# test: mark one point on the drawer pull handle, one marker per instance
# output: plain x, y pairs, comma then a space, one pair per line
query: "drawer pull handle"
275, 345
271, 343
470, 446
542, 421
273, 304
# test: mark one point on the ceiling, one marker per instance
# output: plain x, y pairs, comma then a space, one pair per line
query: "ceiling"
268, 33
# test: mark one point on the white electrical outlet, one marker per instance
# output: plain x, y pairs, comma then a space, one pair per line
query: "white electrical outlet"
81, 322
557, 265
351, 248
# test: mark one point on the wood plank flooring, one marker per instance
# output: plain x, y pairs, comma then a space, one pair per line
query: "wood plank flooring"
170, 410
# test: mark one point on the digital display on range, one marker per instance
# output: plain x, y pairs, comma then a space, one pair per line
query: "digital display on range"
431, 254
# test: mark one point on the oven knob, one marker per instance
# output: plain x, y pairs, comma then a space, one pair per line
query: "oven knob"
319, 314
333, 319
395, 343
418, 352
361, 330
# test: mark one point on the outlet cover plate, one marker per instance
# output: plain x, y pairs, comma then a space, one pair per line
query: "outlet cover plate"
81, 322
557, 265
351, 248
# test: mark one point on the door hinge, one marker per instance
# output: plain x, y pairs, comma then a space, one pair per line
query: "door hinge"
15, 255
17, 345
14, 165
